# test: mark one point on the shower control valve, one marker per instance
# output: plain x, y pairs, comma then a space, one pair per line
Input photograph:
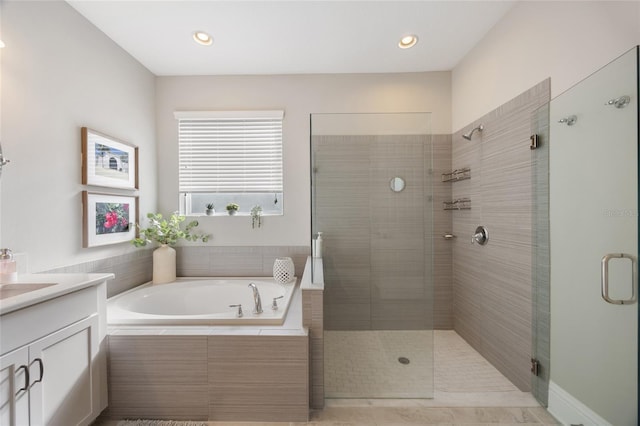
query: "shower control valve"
274, 305
481, 236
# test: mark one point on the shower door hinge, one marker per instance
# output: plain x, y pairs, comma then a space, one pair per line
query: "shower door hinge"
535, 367
534, 141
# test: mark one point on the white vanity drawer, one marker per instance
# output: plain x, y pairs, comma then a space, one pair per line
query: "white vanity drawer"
26, 325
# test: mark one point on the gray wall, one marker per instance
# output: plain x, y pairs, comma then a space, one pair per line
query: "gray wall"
492, 300
299, 96
66, 75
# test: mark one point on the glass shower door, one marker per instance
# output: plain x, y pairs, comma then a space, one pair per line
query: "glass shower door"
594, 247
371, 201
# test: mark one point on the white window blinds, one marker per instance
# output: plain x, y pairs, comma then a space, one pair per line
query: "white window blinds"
230, 151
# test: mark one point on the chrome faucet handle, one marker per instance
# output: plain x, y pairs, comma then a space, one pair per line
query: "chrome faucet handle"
274, 305
239, 314
481, 236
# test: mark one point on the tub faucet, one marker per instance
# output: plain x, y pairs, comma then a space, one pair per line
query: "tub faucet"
256, 299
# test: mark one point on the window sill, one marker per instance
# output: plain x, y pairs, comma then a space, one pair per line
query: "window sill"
240, 214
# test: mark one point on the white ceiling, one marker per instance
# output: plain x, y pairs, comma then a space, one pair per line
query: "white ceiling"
295, 36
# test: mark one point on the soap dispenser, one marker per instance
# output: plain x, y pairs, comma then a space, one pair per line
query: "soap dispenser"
8, 270
318, 245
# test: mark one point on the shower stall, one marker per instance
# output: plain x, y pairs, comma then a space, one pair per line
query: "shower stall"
372, 201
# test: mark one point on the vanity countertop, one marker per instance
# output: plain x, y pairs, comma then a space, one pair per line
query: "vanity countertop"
13, 295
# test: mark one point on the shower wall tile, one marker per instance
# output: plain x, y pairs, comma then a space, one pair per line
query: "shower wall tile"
400, 314
442, 250
381, 243
340, 177
347, 316
379, 247
492, 296
341, 212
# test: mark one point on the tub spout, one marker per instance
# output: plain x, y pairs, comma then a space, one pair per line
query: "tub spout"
256, 299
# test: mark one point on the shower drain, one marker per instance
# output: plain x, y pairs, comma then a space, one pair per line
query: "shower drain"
403, 360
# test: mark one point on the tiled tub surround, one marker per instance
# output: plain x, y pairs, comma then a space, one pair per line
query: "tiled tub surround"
222, 373
136, 267
313, 320
254, 261
130, 270
492, 284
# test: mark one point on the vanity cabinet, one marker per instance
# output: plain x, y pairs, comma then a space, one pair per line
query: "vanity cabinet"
58, 375
14, 398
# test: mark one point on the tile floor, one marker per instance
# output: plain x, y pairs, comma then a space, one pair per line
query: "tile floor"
468, 390
365, 364
351, 357
410, 416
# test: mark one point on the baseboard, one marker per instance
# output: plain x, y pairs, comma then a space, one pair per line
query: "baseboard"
569, 411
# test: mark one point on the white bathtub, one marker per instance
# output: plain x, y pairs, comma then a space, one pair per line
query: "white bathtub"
200, 301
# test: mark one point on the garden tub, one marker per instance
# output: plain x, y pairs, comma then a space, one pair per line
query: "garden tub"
201, 301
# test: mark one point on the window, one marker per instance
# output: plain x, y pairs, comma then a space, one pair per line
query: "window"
230, 157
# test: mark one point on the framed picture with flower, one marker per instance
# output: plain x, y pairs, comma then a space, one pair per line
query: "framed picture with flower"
108, 218
107, 161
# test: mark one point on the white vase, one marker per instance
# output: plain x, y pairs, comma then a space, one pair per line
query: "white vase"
164, 264
283, 270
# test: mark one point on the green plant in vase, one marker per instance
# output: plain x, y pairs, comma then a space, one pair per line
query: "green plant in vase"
166, 232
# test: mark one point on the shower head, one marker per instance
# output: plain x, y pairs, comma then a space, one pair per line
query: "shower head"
468, 135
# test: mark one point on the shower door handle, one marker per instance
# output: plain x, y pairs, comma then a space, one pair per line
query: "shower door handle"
605, 278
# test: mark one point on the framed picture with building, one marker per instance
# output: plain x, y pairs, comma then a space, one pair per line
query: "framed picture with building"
107, 161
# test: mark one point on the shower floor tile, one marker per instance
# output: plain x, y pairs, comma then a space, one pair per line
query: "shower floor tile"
364, 364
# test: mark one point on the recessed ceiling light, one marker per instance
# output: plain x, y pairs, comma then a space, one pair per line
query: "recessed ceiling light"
202, 38
408, 41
